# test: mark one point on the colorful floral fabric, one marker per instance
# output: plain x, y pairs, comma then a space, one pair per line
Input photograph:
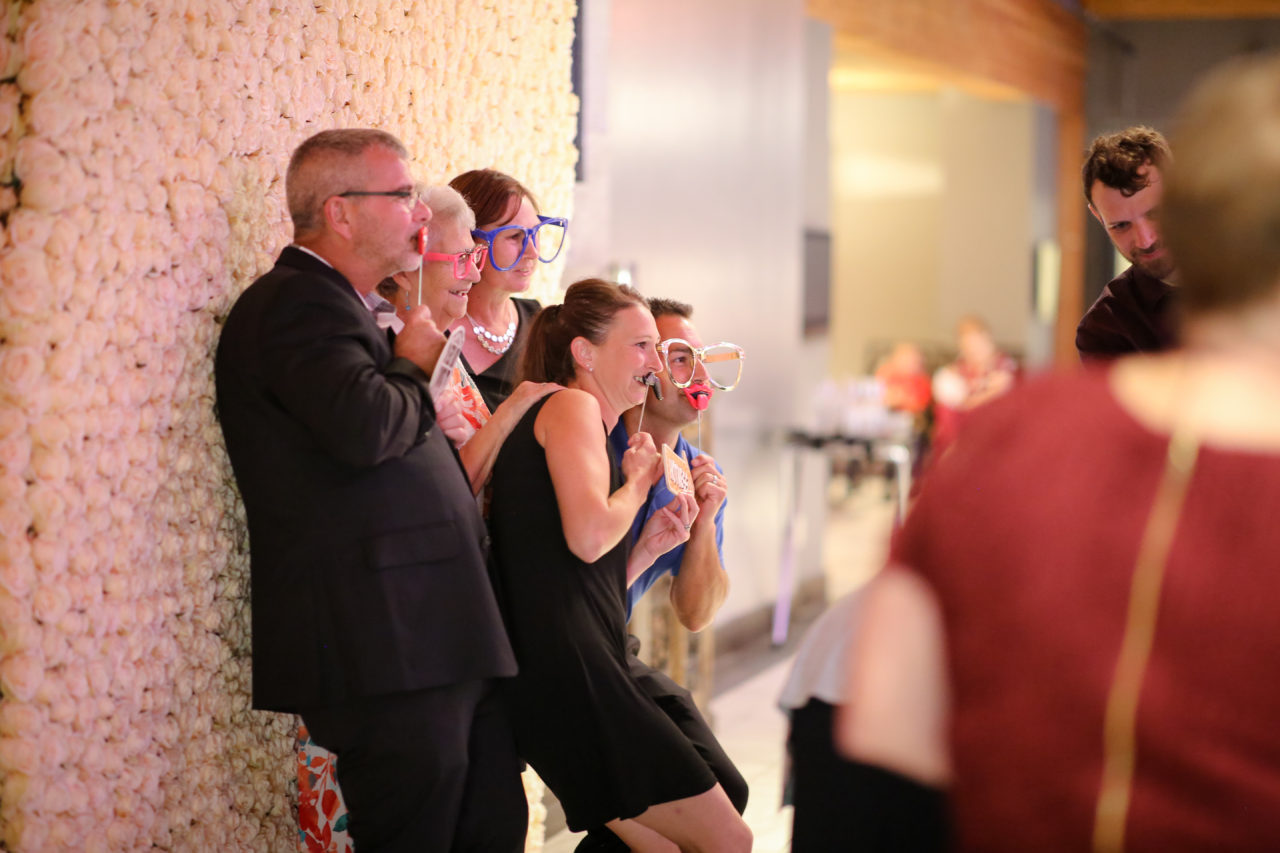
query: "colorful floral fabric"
473, 406
322, 815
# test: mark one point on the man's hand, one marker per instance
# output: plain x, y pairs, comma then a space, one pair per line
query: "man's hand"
420, 340
668, 527
709, 487
702, 584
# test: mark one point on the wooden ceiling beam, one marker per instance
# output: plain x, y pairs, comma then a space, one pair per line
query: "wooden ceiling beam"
1170, 10
1034, 46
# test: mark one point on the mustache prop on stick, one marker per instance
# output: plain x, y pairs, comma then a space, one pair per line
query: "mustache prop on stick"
650, 379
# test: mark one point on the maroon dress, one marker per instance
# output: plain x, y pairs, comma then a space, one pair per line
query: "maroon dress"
1028, 533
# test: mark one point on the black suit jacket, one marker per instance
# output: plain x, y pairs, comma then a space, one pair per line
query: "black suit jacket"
368, 553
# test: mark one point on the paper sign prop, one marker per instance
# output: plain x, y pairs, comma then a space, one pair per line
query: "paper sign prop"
679, 477
448, 360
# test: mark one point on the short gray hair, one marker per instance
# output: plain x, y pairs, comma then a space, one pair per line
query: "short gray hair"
322, 167
447, 207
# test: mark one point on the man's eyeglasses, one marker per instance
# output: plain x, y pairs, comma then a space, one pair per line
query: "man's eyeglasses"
507, 244
722, 362
408, 198
461, 259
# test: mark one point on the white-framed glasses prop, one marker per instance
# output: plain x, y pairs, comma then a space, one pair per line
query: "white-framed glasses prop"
722, 362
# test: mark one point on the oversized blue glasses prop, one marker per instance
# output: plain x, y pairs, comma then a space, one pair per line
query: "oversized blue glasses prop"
547, 237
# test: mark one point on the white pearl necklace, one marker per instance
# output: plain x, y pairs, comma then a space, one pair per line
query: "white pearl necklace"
496, 344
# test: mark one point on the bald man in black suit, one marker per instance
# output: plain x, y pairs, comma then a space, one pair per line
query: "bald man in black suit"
374, 616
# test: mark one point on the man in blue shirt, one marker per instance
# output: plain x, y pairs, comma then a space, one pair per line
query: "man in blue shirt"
699, 582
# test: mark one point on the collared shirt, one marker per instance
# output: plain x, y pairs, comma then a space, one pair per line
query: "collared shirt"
314, 255
660, 496
384, 313
1136, 312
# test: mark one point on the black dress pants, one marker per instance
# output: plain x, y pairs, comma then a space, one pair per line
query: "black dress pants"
431, 769
847, 805
677, 703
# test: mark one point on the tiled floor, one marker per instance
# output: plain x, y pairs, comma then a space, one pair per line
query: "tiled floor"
746, 716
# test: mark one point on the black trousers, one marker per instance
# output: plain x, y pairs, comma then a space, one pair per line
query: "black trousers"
432, 769
847, 805
677, 703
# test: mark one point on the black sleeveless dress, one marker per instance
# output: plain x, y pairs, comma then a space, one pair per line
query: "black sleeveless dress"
599, 742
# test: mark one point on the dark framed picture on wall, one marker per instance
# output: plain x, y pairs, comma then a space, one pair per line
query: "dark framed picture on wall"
816, 282
575, 76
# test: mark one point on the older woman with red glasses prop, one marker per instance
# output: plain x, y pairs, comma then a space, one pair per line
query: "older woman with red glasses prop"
451, 265
453, 262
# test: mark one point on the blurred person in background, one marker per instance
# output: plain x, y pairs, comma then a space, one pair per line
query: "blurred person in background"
980, 373
889, 811
1123, 183
1070, 632
906, 382
517, 237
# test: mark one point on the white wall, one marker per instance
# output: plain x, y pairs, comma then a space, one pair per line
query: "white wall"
985, 252
932, 198
695, 118
887, 185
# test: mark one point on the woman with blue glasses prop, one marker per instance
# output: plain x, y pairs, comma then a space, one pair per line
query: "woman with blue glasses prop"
518, 237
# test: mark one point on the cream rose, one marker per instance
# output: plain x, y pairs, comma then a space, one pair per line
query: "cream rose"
30, 230
50, 603
47, 503
51, 555
20, 675
56, 113
49, 180
13, 421
15, 454
26, 278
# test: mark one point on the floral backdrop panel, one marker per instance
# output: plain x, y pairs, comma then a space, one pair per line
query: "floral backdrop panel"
142, 153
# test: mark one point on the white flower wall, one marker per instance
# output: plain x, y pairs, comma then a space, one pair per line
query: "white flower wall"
143, 145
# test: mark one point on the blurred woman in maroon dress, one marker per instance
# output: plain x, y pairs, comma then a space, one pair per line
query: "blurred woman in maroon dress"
1076, 632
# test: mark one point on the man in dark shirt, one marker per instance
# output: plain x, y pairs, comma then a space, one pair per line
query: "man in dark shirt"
1122, 182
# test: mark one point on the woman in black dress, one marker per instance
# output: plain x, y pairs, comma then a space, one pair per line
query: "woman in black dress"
561, 512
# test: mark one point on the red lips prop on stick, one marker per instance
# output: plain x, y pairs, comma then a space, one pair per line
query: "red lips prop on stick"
699, 396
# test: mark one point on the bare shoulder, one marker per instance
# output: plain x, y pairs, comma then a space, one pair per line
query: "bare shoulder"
1226, 401
567, 414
